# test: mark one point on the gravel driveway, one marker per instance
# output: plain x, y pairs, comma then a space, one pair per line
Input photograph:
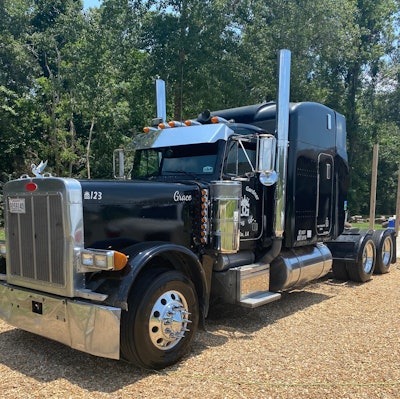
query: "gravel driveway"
330, 340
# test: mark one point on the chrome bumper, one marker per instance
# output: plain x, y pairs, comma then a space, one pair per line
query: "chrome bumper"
87, 327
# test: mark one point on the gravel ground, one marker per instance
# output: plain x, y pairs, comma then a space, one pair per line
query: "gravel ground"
329, 340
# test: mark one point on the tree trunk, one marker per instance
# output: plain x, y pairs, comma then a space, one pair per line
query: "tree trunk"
88, 147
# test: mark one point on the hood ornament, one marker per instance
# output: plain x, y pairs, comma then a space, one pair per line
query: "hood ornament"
37, 170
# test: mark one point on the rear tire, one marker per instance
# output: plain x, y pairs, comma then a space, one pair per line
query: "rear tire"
161, 320
384, 244
363, 269
339, 270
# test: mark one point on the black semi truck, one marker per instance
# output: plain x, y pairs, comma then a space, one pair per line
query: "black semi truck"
237, 206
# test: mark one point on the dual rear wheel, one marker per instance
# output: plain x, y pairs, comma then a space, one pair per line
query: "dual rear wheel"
375, 255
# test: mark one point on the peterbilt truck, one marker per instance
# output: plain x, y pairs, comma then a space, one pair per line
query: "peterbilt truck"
236, 206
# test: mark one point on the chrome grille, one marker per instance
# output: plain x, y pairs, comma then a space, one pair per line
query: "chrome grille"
36, 240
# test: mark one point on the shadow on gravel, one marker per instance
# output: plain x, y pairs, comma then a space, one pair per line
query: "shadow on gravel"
247, 321
45, 360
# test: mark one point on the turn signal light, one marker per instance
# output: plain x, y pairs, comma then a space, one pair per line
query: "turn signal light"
120, 260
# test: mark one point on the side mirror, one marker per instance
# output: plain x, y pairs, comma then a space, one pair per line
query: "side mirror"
266, 160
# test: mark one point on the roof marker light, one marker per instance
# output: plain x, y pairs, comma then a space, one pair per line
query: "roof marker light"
191, 122
163, 126
218, 119
175, 124
148, 129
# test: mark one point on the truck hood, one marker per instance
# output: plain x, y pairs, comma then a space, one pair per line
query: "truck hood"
122, 213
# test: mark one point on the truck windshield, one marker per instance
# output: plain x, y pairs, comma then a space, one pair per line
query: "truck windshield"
191, 160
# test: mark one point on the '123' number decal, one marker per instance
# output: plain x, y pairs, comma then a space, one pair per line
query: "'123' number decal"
93, 195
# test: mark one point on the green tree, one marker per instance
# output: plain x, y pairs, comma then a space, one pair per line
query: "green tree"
18, 68
338, 51
373, 41
192, 44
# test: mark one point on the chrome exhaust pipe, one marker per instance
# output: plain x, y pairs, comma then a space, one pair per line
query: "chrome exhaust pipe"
282, 133
161, 100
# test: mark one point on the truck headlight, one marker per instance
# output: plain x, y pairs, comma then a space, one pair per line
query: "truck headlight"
97, 259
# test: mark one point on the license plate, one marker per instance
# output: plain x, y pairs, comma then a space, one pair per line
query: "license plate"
16, 205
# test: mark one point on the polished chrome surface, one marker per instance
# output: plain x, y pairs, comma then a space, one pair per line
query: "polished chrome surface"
182, 136
225, 203
387, 251
227, 261
368, 256
42, 229
38, 170
246, 286
87, 327
253, 278
259, 298
297, 266
282, 130
168, 320
161, 100
266, 164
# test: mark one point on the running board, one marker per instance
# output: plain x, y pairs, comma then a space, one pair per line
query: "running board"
259, 298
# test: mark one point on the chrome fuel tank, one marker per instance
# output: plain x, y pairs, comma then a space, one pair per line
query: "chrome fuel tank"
297, 266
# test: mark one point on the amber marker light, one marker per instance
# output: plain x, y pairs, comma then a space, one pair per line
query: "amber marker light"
120, 260
175, 124
218, 119
191, 122
148, 129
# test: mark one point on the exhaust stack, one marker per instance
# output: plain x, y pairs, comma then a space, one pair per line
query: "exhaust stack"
161, 100
282, 133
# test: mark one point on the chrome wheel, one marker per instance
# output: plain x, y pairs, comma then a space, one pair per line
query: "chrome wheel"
384, 241
154, 330
387, 251
168, 320
368, 257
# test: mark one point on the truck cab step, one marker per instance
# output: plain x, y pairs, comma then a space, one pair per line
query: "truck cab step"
259, 298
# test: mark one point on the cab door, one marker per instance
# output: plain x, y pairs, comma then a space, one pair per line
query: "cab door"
240, 163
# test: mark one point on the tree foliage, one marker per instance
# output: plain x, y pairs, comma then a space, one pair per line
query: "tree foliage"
75, 83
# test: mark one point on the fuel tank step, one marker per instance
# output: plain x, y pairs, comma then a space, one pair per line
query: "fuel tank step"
259, 298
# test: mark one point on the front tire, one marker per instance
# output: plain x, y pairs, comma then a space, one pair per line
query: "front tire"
161, 320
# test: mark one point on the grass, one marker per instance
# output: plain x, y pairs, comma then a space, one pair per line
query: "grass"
365, 226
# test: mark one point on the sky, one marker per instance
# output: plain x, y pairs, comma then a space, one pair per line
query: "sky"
91, 3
